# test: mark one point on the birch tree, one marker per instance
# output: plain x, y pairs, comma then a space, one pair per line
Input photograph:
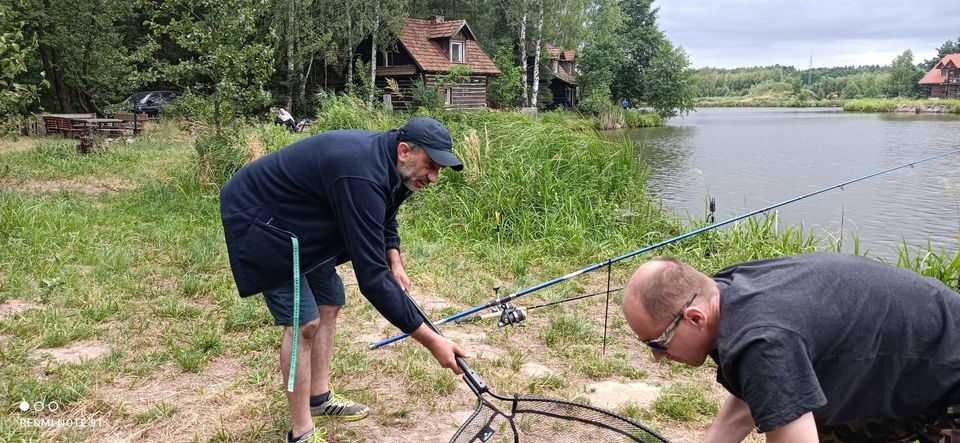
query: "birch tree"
523, 57
538, 44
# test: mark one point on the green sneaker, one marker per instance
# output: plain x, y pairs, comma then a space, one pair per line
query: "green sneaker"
341, 408
317, 435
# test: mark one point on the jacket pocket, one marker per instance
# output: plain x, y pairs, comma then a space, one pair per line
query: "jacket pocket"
268, 252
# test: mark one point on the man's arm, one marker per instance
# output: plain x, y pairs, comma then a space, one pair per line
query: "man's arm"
360, 208
732, 424
444, 350
801, 430
399, 272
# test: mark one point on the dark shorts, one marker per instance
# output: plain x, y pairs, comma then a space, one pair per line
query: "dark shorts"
939, 427
322, 286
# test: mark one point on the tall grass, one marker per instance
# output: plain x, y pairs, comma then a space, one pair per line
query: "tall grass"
937, 264
890, 105
615, 117
765, 101
536, 187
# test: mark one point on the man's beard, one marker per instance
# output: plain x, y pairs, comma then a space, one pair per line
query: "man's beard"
406, 175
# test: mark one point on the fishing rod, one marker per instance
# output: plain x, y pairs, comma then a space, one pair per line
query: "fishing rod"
504, 301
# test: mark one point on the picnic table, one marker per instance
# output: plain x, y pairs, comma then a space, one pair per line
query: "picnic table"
105, 126
76, 125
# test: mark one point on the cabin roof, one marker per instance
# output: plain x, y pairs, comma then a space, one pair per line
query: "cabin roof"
556, 52
935, 77
420, 38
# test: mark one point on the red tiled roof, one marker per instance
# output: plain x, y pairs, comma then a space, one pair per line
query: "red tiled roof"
552, 51
419, 37
934, 77
446, 28
558, 52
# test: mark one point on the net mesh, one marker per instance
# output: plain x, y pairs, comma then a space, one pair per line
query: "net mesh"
534, 419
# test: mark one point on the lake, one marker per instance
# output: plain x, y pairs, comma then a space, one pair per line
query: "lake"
748, 158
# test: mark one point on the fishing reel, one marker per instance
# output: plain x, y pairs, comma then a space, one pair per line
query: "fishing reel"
511, 315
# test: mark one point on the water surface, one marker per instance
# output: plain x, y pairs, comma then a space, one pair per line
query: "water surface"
751, 158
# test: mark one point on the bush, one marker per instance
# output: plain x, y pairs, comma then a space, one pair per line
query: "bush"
272, 137
506, 90
219, 156
425, 96
634, 118
346, 112
595, 102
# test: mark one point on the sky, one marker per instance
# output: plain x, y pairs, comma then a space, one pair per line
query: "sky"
740, 33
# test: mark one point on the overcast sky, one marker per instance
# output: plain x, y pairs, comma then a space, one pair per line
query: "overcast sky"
733, 33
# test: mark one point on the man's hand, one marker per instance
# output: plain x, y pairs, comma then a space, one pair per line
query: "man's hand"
732, 424
397, 270
400, 276
445, 351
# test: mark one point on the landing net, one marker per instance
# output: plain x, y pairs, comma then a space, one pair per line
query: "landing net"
534, 419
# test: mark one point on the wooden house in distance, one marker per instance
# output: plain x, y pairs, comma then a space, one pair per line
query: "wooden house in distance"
560, 63
943, 81
427, 50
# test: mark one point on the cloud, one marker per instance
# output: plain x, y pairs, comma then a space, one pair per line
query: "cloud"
729, 33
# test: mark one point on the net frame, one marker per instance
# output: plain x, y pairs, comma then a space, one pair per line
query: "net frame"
477, 427
480, 388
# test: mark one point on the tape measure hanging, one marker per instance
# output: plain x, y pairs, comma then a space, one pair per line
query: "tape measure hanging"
295, 333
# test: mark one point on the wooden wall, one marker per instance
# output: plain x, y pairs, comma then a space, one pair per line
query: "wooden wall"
945, 91
402, 101
470, 93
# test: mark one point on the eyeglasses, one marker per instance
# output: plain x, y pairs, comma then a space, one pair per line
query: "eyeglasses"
661, 343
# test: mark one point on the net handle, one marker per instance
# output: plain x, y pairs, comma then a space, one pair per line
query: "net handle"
476, 384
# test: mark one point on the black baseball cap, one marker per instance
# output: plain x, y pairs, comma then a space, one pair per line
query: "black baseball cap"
434, 138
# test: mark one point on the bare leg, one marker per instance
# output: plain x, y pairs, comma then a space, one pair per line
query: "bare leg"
323, 349
298, 401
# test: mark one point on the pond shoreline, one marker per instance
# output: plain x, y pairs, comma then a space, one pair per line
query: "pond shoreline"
922, 106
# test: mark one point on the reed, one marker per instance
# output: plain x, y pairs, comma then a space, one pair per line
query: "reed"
892, 104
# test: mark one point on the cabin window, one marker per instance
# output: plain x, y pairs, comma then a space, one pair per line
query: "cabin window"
456, 52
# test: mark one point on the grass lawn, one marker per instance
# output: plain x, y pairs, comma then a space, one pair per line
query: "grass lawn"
119, 317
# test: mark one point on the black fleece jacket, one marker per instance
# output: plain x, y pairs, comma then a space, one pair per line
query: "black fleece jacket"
338, 193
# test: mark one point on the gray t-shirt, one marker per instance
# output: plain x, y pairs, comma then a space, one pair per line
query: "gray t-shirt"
842, 336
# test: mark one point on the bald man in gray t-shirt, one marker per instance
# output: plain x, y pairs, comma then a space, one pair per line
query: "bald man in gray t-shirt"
820, 343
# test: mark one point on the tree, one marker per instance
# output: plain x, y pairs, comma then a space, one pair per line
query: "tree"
302, 34
14, 52
668, 86
903, 76
229, 56
645, 73
386, 19
598, 62
92, 55
948, 47
522, 43
538, 44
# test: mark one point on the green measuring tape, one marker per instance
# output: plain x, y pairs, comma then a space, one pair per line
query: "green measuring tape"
295, 333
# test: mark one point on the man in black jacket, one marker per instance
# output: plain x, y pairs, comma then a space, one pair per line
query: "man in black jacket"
813, 347
325, 200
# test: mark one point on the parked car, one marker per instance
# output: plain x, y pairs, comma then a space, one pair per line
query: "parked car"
148, 102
